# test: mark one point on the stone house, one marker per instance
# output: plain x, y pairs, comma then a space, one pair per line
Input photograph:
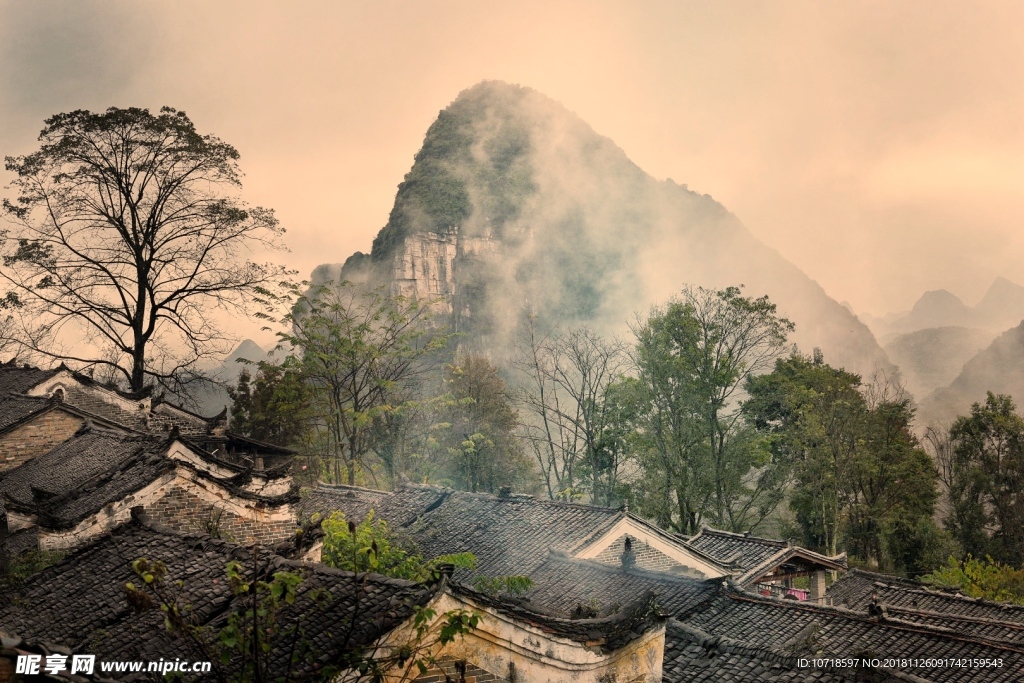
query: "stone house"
770, 566
80, 603
76, 457
513, 534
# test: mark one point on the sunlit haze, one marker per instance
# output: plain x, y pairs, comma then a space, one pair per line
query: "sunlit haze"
878, 146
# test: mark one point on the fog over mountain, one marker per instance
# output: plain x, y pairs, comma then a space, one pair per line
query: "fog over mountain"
998, 368
1001, 308
515, 204
933, 357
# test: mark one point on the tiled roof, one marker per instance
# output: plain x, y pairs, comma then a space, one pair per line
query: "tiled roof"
81, 602
509, 535
756, 556
913, 602
82, 462
743, 550
396, 508
694, 656
22, 541
18, 379
855, 588
609, 632
565, 585
802, 629
15, 408
356, 502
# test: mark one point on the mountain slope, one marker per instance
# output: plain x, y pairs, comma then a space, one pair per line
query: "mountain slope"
1001, 308
516, 205
998, 368
933, 357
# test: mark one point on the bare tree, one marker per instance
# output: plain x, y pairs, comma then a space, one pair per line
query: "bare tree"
128, 245
567, 392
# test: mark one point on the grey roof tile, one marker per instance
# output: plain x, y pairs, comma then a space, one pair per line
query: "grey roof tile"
81, 602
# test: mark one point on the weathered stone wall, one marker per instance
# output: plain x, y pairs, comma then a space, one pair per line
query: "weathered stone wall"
647, 557
504, 648
37, 437
185, 511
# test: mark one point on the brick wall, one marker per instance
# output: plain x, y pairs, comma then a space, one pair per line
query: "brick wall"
647, 557
184, 511
37, 437
447, 669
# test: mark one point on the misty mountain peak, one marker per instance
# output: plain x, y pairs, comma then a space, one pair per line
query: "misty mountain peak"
248, 350
514, 204
938, 300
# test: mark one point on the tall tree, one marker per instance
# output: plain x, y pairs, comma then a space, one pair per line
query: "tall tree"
127, 230
987, 480
565, 393
479, 434
273, 404
860, 478
361, 349
814, 414
693, 357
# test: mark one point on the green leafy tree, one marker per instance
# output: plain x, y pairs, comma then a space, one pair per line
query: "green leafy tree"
986, 480
814, 415
371, 546
892, 491
986, 578
479, 429
273, 405
127, 231
362, 349
693, 357
860, 477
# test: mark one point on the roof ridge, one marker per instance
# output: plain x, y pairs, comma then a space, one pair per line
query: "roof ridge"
725, 643
347, 487
953, 594
743, 536
1016, 625
863, 617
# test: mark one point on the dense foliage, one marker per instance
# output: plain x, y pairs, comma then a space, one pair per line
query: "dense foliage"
860, 479
986, 578
699, 422
986, 480
701, 462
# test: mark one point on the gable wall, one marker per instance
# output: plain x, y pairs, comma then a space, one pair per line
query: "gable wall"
502, 644
647, 557
183, 510
40, 435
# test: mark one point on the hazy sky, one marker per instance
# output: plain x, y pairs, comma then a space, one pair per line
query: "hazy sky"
877, 145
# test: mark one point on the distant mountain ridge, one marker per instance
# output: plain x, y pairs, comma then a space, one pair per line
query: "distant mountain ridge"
212, 398
514, 205
1001, 308
933, 357
998, 368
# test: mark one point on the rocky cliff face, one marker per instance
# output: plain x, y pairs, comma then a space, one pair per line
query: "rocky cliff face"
515, 205
438, 267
